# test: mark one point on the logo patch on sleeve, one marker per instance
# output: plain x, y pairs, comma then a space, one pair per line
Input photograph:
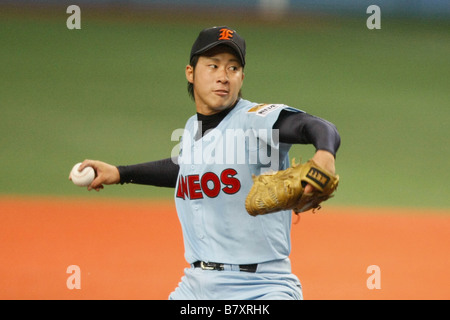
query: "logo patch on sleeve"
264, 109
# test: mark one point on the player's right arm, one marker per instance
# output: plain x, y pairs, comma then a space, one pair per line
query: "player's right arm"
161, 173
104, 173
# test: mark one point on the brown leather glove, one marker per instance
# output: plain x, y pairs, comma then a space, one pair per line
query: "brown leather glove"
284, 190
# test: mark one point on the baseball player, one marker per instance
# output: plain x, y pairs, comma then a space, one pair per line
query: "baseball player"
232, 254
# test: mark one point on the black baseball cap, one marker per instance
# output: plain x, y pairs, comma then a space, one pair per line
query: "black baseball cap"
211, 37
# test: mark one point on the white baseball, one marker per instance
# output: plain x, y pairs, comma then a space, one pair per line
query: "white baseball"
83, 178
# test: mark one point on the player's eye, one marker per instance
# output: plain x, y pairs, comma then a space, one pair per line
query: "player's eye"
234, 68
213, 66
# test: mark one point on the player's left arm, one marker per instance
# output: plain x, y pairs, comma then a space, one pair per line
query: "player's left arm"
303, 128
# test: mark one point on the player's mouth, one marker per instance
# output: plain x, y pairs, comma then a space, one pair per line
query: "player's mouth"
221, 93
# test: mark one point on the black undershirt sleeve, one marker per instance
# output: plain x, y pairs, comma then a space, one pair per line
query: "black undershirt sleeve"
303, 128
161, 173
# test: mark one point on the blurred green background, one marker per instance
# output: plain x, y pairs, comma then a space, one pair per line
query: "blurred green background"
115, 90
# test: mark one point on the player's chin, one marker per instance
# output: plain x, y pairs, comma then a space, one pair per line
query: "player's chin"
223, 102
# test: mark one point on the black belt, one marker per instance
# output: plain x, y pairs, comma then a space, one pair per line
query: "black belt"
220, 266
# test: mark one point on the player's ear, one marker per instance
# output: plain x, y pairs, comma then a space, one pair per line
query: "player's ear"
189, 73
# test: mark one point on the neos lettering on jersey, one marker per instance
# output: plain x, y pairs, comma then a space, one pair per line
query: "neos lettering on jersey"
208, 184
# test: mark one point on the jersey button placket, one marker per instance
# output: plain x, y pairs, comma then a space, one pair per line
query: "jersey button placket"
198, 221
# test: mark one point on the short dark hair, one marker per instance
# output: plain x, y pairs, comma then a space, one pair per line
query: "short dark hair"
190, 86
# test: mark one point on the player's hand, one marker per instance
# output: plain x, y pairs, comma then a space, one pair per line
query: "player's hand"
104, 174
325, 160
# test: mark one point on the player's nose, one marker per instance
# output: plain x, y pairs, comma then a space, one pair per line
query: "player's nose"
222, 75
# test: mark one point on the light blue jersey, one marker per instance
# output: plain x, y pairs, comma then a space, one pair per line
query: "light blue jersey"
214, 179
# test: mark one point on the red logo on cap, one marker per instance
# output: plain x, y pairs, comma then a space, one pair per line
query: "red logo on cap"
226, 34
